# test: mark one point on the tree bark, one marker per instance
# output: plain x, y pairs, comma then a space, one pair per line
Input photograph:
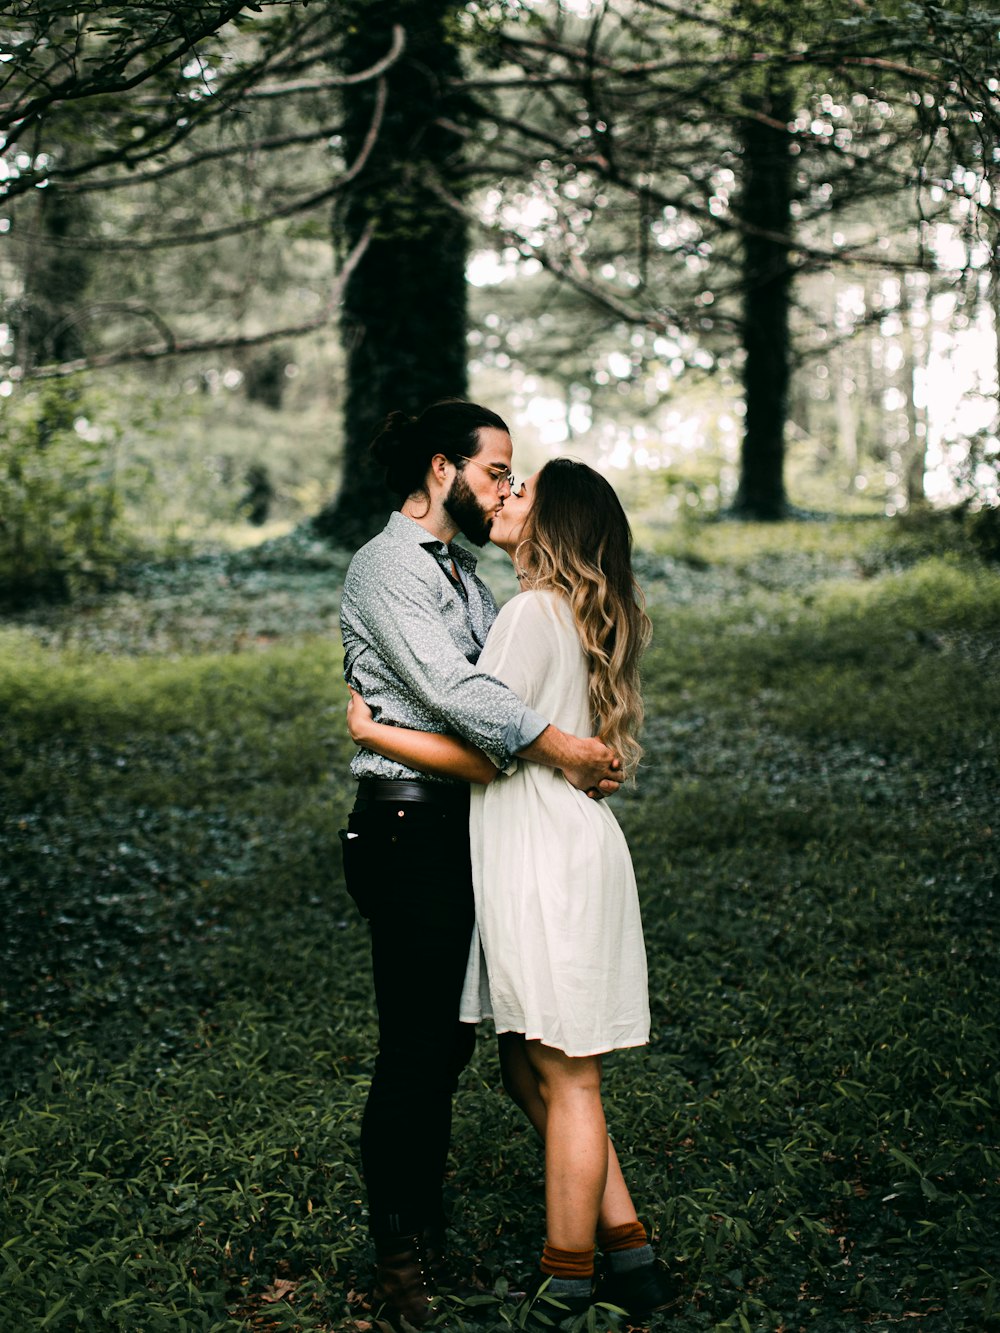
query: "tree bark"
845, 396
767, 279
403, 322
55, 276
914, 353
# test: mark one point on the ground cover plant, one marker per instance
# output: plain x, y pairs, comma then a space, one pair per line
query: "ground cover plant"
186, 1025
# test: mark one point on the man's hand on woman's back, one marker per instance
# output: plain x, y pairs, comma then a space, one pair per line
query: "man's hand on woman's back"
585, 761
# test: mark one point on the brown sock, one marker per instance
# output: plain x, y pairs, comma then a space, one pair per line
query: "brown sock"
630, 1236
567, 1263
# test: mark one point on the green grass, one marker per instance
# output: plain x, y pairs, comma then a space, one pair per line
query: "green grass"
186, 1026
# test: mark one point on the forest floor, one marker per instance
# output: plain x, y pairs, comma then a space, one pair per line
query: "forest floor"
186, 1023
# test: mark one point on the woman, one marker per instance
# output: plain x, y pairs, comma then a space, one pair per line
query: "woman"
558, 959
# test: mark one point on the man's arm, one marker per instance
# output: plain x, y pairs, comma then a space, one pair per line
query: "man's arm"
586, 762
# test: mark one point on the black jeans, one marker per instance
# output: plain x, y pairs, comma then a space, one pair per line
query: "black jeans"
407, 867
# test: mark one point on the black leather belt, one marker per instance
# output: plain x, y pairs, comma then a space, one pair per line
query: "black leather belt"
412, 789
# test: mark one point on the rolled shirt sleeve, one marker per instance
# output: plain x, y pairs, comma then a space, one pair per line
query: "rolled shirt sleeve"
411, 641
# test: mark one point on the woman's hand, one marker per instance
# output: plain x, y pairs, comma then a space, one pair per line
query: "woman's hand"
426, 751
359, 717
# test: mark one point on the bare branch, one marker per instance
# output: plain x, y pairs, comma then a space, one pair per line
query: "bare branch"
338, 80
152, 144
178, 120
730, 222
637, 72
138, 308
863, 62
250, 224
572, 275
72, 88
68, 185
696, 16
190, 346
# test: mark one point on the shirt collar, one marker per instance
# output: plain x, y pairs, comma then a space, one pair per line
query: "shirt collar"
407, 531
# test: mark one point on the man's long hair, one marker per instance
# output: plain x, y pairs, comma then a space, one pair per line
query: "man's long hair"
405, 445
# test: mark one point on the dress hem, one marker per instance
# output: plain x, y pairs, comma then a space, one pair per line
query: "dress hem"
573, 1055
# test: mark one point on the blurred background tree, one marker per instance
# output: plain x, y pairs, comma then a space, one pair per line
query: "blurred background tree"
735, 154
687, 243
403, 322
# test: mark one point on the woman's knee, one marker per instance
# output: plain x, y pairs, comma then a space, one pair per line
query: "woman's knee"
561, 1075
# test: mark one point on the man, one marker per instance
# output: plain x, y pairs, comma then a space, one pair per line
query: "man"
414, 619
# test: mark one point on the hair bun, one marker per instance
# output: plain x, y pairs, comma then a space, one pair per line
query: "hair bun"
394, 435
404, 446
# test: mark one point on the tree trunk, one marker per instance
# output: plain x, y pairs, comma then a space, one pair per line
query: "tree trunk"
847, 426
403, 322
766, 207
56, 277
869, 364
844, 388
914, 351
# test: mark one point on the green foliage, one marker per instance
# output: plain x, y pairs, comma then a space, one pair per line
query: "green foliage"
186, 1020
93, 55
60, 506
189, 465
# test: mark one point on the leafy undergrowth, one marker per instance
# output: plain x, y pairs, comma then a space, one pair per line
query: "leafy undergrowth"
186, 1026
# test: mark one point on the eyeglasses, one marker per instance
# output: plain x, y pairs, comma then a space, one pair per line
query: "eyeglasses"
501, 475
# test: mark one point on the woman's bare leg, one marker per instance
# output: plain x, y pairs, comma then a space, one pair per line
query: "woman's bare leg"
522, 1085
617, 1207
531, 1075
519, 1079
576, 1145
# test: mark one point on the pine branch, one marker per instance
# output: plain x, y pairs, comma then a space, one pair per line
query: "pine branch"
297, 206
112, 79
172, 346
67, 183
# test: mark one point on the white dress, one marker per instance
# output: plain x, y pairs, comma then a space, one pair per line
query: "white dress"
557, 952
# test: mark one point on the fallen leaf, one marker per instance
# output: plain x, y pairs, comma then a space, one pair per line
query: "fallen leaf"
278, 1290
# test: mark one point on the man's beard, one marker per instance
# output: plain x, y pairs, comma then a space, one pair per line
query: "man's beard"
464, 509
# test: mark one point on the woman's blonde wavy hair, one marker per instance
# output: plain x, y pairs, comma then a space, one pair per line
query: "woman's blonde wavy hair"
577, 542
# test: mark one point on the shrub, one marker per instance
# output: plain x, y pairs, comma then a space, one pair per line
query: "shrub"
60, 514
186, 1020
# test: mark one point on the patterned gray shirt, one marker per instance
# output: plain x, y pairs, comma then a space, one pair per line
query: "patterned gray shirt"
412, 638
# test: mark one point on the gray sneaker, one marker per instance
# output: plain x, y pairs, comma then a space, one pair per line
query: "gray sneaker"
640, 1291
555, 1309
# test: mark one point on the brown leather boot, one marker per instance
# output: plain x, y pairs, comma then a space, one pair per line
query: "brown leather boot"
446, 1279
434, 1245
404, 1288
